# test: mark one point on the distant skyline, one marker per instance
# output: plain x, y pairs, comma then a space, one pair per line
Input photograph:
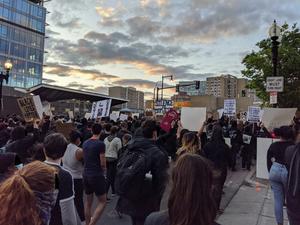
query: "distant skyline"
94, 44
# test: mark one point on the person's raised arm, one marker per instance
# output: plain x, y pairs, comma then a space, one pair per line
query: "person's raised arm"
179, 129
200, 132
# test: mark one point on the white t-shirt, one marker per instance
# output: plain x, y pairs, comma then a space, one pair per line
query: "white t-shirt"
112, 147
71, 163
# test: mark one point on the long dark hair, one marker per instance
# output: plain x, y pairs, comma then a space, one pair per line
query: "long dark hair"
191, 201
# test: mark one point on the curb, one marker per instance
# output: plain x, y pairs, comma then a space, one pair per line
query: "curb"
251, 183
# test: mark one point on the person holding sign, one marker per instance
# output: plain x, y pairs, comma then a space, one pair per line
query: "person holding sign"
218, 152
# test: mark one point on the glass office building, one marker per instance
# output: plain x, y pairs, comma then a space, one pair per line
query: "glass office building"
22, 34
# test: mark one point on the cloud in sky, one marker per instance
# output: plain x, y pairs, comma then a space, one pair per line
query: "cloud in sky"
135, 42
48, 81
73, 73
139, 83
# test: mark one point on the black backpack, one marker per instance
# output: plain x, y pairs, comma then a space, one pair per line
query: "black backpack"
131, 170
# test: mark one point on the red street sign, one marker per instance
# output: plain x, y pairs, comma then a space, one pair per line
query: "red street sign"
273, 98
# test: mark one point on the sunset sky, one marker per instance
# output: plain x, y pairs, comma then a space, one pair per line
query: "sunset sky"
94, 44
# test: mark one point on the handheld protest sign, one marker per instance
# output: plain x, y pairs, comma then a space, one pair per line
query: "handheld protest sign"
166, 122
193, 118
31, 107
277, 117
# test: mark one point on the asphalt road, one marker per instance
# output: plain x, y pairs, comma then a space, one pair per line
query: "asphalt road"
232, 185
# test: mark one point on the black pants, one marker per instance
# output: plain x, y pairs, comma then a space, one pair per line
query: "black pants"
78, 188
111, 174
247, 153
292, 219
220, 175
234, 151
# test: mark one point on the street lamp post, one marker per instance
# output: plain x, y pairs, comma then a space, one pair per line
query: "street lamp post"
275, 35
4, 76
162, 87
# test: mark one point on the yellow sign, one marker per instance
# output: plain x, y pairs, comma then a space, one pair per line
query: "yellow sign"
182, 104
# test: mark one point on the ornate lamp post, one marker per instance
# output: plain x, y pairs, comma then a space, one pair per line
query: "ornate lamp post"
4, 76
275, 35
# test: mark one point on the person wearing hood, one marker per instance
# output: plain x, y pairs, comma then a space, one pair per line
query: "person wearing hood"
21, 143
8, 163
112, 146
147, 199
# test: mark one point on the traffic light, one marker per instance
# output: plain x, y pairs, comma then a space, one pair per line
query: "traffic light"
177, 88
243, 93
197, 85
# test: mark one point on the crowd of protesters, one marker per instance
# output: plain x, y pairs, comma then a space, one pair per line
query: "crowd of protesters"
47, 178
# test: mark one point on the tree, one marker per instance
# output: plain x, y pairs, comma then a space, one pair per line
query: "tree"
259, 66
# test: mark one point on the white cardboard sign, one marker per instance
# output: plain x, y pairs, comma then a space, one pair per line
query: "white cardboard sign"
253, 114
220, 112
47, 109
230, 107
31, 107
101, 109
123, 117
135, 114
263, 145
193, 118
114, 115
71, 114
277, 117
87, 115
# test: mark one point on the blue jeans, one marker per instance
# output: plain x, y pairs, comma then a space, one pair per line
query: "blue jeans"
278, 179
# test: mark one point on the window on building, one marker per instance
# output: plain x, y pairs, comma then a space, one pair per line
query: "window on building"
4, 13
5, 2
3, 31
3, 46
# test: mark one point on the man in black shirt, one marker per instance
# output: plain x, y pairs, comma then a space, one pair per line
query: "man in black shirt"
148, 199
64, 212
93, 175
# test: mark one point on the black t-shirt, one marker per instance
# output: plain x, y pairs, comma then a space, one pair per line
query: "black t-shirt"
65, 193
277, 151
92, 149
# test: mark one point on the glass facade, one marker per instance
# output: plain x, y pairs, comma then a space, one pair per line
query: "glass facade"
22, 34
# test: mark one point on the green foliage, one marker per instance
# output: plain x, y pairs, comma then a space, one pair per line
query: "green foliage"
259, 66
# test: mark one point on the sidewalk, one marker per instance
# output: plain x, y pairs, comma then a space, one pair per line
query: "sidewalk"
251, 206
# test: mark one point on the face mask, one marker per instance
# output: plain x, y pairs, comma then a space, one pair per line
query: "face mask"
45, 203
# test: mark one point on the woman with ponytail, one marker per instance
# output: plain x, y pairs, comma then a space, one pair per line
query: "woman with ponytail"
28, 196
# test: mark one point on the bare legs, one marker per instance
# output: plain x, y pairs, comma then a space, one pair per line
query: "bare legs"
93, 219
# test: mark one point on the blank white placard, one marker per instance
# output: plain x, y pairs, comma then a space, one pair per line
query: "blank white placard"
193, 118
